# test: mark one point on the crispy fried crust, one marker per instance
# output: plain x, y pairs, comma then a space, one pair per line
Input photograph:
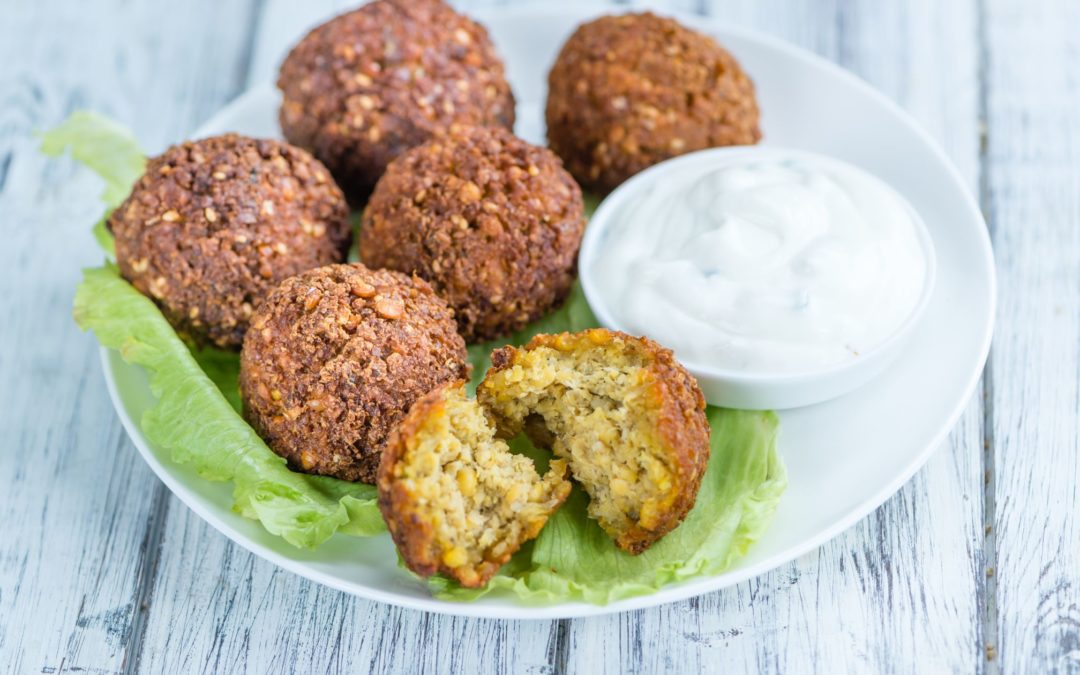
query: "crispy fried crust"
629, 91
413, 534
369, 84
215, 224
494, 223
410, 527
674, 402
335, 358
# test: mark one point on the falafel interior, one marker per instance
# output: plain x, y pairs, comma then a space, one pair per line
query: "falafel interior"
454, 496
596, 407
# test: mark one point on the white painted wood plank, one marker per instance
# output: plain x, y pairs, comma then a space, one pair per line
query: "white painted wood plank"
217, 607
77, 501
1033, 190
898, 593
902, 585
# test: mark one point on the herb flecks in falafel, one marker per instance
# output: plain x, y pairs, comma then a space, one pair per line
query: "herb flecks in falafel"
619, 410
454, 497
628, 417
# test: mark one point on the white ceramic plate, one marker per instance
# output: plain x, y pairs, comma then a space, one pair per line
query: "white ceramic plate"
844, 457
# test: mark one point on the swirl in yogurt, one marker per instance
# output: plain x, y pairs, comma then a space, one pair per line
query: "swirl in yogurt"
782, 265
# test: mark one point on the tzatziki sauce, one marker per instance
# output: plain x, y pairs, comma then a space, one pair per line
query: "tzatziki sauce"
781, 264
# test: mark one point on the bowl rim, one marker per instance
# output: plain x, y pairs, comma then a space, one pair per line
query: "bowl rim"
731, 155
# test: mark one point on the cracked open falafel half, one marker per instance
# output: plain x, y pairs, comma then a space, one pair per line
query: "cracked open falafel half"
618, 411
334, 359
493, 222
455, 498
214, 224
628, 418
632, 90
367, 85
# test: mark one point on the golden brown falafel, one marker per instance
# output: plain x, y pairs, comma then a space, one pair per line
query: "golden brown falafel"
454, 497
367, 85
334, 359
632, 90
494, 223
626, 415
213, 225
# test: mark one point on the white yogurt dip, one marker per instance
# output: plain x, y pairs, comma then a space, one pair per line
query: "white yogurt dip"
774, 264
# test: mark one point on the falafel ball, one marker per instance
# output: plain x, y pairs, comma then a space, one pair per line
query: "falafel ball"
335, 358
367, 85
632, 90
493, 222
213, 225
454, 497
622, 411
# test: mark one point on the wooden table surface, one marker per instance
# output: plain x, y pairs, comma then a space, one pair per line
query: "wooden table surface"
974, 566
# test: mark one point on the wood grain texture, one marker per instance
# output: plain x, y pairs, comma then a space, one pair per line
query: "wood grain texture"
101, 569
78, 509
219, 608
1032, 189
897, 593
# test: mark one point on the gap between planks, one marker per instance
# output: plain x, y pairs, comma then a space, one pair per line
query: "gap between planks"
987, 585
149, 557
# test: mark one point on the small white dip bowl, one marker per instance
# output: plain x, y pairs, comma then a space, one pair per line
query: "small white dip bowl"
747, 389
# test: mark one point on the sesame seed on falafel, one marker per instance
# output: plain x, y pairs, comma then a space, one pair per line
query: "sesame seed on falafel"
335, 358
214, 224
632, 90
367, 85
493, 222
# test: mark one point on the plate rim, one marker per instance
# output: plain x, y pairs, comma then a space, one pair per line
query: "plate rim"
674, 592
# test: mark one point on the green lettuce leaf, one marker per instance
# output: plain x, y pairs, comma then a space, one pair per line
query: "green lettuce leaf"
223, 369
198, 425
573, 558
106, 148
